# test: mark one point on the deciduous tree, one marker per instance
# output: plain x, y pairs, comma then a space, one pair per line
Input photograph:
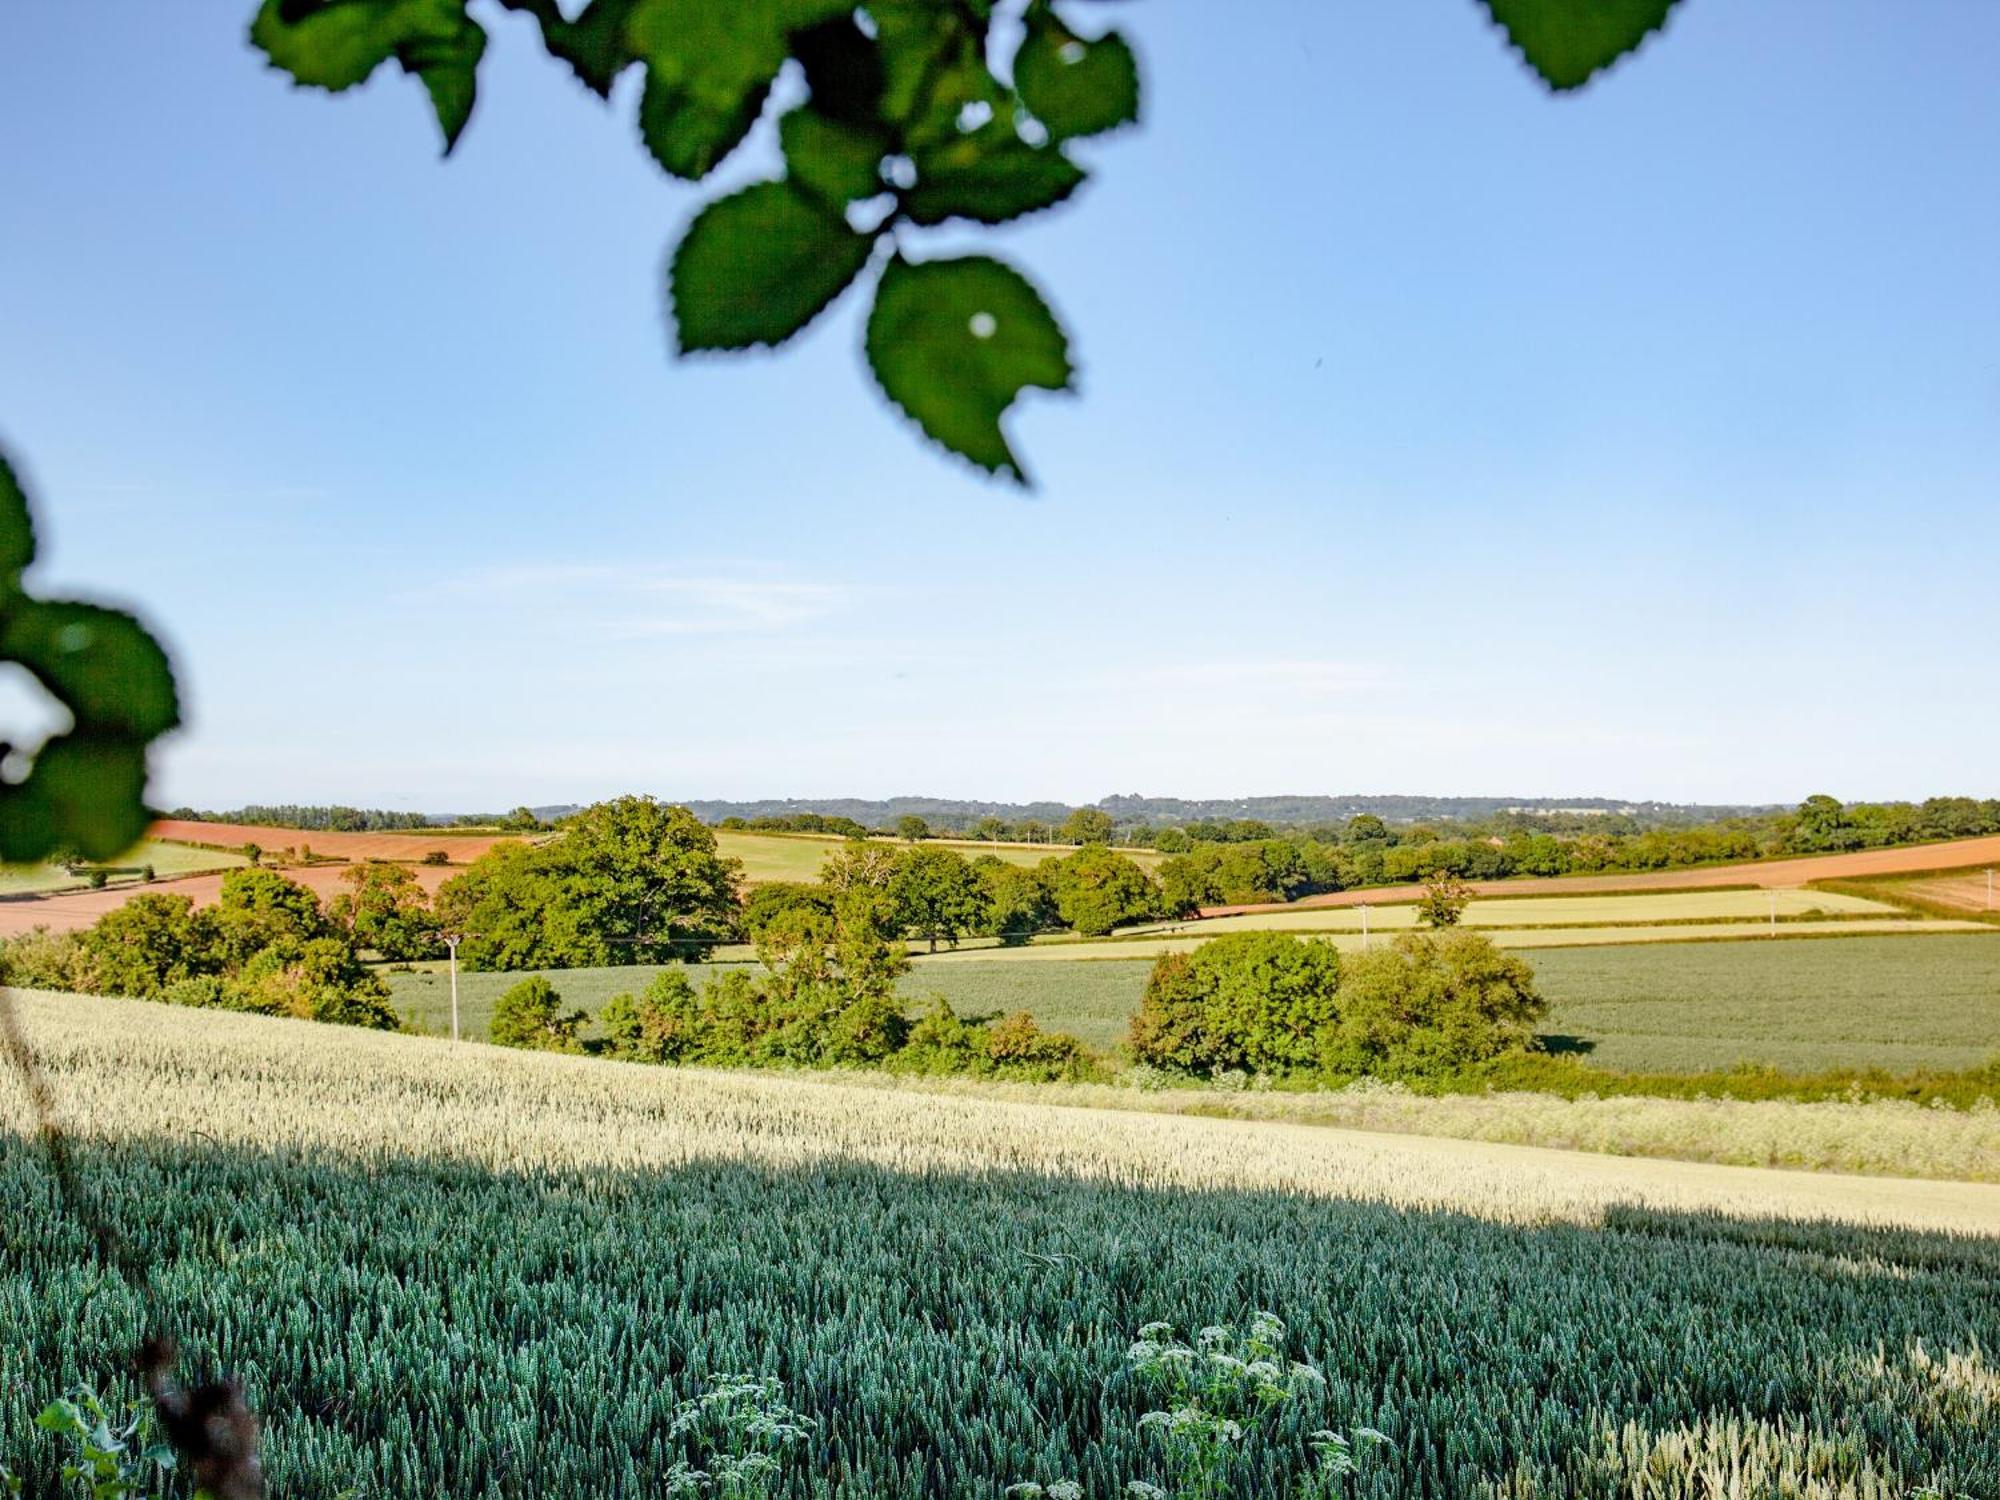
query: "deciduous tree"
1088, 825
1097, 890
531, 1015
939, 896
386, 910
1444, 900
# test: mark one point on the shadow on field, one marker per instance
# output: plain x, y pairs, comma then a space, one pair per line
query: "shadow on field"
1571, 1046
413, 1326
1888, 1250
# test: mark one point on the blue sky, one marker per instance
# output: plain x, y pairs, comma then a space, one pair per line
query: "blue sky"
1434, 435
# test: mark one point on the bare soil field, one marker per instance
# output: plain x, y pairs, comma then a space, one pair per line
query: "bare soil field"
1777, 874
72, 911
459, 848
1962, 890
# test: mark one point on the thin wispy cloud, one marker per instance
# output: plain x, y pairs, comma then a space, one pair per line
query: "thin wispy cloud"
1266, 675
633, 602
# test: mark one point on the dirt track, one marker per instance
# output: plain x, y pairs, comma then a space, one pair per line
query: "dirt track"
1777, 873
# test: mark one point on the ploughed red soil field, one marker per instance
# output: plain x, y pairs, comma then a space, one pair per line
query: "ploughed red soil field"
459, 848
1771, 873
71, 911
68, 911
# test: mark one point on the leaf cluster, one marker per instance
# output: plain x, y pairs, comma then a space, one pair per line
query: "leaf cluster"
906, 126
112, 1453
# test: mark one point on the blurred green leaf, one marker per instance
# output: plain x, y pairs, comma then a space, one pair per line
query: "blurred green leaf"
1567, 41
990, 176
837, 161
449, 68
1072, 86
17, 527
757, 266
687, 134
593, 44
111, 675
332, 46
843, 68
953, 342
86, 792
85, 789
919, 41
61, 1417
709, 67
336, 44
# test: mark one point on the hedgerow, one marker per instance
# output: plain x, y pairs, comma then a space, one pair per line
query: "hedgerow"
1426, 1005
266, 946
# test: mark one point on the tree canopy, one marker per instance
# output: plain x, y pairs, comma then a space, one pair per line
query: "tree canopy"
628, 881
939, 896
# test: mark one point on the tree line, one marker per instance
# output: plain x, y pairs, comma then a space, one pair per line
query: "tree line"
337, 818
1084, 825
825, 995
1363, 850
266, 946
636, 881
1246, 861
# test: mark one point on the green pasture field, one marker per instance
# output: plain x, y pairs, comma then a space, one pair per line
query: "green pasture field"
465, 1271
798, 856
1187, 936
166, 859
1899, 1004
1896, 1003
1637, 909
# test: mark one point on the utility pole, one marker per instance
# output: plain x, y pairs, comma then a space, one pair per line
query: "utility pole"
1774, 912
451, 942
1989, 888
1364, 926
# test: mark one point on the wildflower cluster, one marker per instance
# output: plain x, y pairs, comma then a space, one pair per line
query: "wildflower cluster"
1216, 1392
1334, 1458
745, 1426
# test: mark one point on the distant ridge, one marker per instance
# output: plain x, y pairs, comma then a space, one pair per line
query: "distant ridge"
1279, 811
